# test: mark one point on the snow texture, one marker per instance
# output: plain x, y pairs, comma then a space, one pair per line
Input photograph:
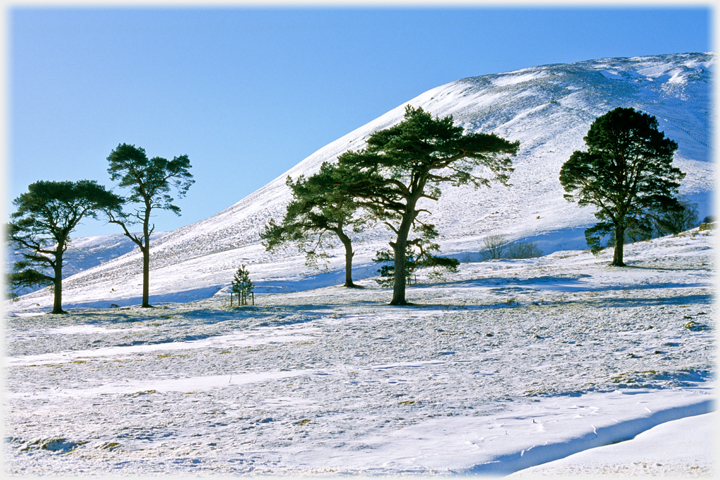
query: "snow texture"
504, 365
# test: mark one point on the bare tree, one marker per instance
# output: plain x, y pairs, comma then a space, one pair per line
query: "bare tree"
495, 246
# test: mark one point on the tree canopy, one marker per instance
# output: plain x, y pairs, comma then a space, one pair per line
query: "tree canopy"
40, 228
626, 174
408, 162
150, 182
318, 212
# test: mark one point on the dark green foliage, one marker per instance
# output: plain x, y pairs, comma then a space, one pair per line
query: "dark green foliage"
626, 174
41, 226
318, 212
408, 162
242, 286
418, 254
387, 269
600, 236
241, 282
149, 182
24, 276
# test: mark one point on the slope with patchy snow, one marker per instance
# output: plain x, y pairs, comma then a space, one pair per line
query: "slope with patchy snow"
548, 109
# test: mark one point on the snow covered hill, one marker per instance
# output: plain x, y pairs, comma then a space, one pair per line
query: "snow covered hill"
547, 108
87, 252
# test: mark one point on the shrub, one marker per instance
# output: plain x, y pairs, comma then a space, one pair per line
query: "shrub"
494, 246
523, 250
706, 226
242, 286
497, 246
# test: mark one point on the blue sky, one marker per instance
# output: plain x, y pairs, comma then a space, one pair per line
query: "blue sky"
247, 93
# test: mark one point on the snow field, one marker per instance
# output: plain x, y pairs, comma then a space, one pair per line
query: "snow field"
650, 453
502, 366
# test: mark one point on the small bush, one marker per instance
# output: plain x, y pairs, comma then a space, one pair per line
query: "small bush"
242, 286
497, 246
494, 246
523, 250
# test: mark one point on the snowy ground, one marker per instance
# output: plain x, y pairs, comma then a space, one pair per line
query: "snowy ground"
677, 448
503, 366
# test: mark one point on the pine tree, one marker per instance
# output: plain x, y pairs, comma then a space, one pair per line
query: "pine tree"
242, 286
318, 213
149, 181
408, 162
626, 174
45, 217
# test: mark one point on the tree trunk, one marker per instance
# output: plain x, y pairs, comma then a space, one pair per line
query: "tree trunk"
399, 281
399, 248
619, 246
57, 282
146, 252
146, 274
348, 257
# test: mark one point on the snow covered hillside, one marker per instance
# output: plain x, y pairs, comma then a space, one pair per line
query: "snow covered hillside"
505, 365
87, 252
547, 108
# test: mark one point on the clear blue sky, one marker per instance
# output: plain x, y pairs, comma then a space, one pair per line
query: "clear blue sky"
247, 93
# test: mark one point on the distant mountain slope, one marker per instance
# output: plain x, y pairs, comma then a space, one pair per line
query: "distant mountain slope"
547, 108
88, 252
